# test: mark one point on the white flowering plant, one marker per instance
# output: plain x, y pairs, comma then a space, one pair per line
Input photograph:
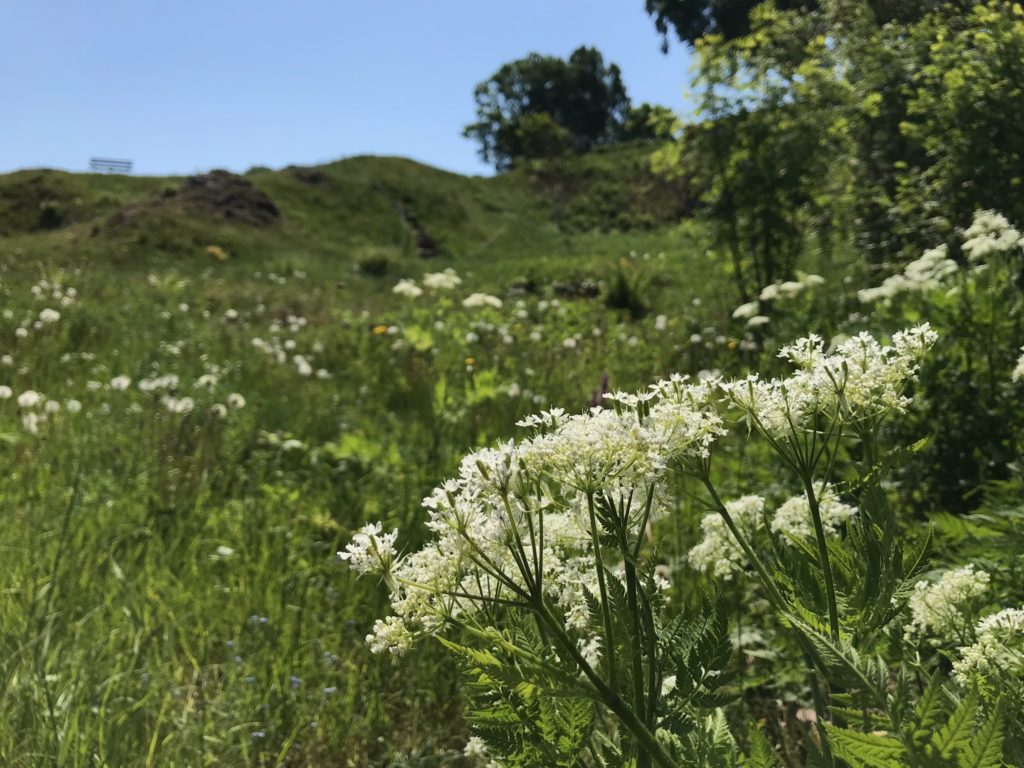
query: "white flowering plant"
541, 574
968, 289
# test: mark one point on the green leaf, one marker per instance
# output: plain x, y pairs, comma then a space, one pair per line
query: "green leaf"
761, 753
986, 748
956, 733
865, 749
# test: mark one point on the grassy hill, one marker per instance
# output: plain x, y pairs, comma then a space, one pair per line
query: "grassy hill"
359, 218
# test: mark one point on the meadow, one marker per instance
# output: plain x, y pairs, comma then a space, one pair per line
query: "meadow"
201, 407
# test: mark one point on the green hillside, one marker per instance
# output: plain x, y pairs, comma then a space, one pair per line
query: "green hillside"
369, 216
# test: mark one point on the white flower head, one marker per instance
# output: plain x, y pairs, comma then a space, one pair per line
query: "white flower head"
407, 288
442, 281
481, 300
371, 550
29, 399
943, 609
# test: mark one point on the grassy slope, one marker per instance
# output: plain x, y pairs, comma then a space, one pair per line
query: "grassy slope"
128, 617
553, 217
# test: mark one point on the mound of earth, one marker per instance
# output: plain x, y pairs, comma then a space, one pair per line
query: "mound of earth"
226, 195
215, 195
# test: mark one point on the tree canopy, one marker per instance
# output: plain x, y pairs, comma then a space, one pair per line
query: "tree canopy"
543, 106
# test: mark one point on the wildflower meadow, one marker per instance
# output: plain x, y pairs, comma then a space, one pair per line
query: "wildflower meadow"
677, 441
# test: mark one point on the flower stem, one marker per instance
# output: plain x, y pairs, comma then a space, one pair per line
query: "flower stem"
826, 564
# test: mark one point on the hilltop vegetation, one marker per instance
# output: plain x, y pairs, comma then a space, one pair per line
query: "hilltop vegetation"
378, 214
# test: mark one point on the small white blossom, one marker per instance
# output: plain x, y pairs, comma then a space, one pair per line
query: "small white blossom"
371, 550
481, 300
998, 648
746, 311
407, 288
442, 281
944, 609
29, 399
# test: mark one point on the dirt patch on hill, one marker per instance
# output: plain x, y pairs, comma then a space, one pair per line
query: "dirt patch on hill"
215, 195
225, 195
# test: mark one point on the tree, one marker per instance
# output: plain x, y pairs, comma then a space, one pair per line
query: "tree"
730, 19
694, 19
539, 105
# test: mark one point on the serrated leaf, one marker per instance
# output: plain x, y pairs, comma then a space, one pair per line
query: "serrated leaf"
956, 733
865, 749
986, 747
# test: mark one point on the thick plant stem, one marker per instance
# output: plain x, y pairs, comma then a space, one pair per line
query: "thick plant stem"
606, 614
826, 564
646, 741
639, 701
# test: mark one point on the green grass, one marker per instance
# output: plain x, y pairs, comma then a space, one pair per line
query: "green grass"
170, 592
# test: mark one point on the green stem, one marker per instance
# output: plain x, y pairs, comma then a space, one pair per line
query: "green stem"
826, 564
606, 613
639, 702
646, 741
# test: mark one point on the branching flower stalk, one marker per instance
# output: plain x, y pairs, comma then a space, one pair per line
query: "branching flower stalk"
552, 528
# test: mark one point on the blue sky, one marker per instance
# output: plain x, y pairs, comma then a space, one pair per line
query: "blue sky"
179, 86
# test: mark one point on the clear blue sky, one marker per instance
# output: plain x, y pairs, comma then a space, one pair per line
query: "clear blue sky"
185, 85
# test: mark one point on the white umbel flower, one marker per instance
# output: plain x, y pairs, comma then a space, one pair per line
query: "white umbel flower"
481, 300
943, 610
407, 288
998, 648
718, 552
371, 550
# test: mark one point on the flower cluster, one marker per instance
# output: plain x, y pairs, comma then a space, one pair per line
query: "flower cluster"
926, 273
718, 553
792, 520
517, 520
518, 523
944, 609
860, 380
989, 233
1018, 371
998, 647
481, 300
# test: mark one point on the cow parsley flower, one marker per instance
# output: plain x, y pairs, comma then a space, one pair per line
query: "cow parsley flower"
442, 281
793, 518
998, 647
390, 635
990, 232
718, 552
49, 316
481, 300
944, 609
371, 550
29, 399
746, 311
120, 383
407, 288
1018, 371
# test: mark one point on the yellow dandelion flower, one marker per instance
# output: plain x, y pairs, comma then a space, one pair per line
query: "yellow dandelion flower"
379, 329
470, 361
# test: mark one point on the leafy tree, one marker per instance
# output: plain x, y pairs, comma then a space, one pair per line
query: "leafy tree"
694, 19
730, 19
543, 105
